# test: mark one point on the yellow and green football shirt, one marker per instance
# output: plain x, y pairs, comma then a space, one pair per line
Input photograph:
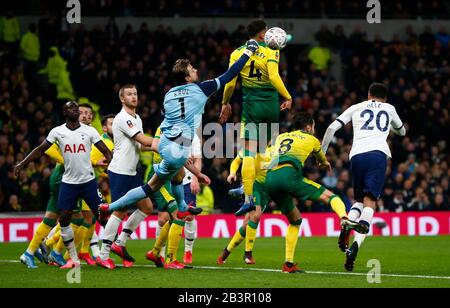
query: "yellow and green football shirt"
295, 147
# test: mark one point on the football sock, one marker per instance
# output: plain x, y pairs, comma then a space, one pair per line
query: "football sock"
163, 248
53, 238
291, 242
130, 226
159, 247
87, 238
355, 211
41, 233
338, 206
94, 245
175, 234
250, 236
366, 218
59, 247
248, 175
238, 237
190, 232
131, 197
67, 236
108, 236
178, 194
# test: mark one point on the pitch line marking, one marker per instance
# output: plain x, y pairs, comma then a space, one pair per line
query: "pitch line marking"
269, 270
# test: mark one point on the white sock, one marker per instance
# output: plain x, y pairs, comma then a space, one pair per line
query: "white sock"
366, 216
108, 236
130, 226
163, 249
94, 246
190, 234
359, 238
67, 236
51, 233
356, 211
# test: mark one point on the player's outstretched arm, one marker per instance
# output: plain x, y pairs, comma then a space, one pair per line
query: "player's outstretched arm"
105, 151
35, 154
329, 134
146, 141
210, 86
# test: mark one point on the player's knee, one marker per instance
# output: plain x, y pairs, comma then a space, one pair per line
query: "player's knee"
120, 214
65, 218
51, 216
326, 196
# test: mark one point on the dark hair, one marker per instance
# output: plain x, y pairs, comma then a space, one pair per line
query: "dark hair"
255, 27
106, 117
180, 71
378, 90
302, 119
127, 86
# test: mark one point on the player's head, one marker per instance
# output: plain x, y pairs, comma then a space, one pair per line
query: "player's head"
107, 122
257, 29
128, 96
71, 111
378, 91
183, 72
86, 114
305, 122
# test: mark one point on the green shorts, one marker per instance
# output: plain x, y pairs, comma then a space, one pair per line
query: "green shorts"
286, 182
55, 183
259, 112
261, 196
163, 198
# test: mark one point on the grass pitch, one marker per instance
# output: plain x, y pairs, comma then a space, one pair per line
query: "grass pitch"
405, 262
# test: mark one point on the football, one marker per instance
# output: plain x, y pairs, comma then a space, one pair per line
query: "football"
275, 38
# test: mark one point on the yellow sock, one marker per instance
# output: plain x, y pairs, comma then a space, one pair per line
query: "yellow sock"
55, 238
87, 237
41, 233
248, 175
161, 240
250, 236
238, 237
59, 247
338, 206
291, 242
175, 234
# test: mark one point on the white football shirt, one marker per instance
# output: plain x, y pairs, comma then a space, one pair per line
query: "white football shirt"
196, 151
75, 146
372, 123
126, 150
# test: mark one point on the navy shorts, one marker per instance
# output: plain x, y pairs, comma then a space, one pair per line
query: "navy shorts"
369, 171
69, 195
120, 184
189, 196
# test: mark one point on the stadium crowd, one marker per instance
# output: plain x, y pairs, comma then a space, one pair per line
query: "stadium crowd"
37, 79
266, 8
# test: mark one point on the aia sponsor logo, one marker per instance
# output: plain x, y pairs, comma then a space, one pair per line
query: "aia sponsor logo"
75, 148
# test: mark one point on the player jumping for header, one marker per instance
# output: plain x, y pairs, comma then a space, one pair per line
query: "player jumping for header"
183, 105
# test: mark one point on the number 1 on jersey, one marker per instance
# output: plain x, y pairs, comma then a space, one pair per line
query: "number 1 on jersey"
183, 109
